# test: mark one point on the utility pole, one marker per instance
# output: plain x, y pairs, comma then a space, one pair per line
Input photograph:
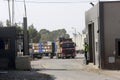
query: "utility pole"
9, 11
25, 9
25, 40
13, 13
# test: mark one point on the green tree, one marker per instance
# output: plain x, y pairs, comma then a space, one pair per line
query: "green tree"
8, 23
1, 24
33, 34
44, 35
53, 35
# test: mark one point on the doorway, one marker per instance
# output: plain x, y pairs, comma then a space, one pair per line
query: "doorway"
91, 43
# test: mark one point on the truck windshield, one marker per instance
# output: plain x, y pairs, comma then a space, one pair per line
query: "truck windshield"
68, 45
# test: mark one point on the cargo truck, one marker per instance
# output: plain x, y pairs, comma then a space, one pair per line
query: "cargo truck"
65, 48
49, 49
43, 49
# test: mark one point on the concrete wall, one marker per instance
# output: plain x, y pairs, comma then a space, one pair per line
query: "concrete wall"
92, 16
111, 25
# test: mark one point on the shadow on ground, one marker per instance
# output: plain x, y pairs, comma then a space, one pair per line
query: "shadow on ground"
24, 75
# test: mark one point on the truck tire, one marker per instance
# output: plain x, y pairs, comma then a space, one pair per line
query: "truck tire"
57, 56
51, 55
73, 57
63, 57
39, 57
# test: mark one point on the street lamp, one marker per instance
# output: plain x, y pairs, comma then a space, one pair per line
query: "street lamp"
91, 3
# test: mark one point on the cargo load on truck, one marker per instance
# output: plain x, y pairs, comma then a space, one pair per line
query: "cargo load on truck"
43, 49
37, 50
65, 47
49, 49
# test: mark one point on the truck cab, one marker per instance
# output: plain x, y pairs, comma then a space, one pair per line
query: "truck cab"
65, 48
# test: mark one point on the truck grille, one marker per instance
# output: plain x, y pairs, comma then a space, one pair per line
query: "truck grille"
68, 51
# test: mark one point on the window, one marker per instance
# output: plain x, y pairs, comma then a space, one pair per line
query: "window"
68, 45
7, 43
4, 44
1, 44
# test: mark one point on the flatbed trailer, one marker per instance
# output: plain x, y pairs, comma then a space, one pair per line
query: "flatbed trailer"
43, 49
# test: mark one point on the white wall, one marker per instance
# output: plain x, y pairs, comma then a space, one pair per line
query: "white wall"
79, 40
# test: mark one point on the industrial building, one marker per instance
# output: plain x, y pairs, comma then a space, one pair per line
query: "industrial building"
12, 55
8, 47
103, 30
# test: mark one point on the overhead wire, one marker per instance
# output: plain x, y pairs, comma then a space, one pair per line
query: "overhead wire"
38, 2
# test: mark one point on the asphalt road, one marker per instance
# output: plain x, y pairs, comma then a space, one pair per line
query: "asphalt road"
68, 69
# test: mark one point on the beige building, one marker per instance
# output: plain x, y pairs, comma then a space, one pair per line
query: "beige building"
79, 40
103, 29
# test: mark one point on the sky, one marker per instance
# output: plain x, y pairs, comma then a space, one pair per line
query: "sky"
50, 16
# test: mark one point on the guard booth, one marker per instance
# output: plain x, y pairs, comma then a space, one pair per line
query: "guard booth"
8, 47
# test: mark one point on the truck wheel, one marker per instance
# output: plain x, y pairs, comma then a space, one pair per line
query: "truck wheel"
63, 57
51, 57
73, 57
57, 56
39, 57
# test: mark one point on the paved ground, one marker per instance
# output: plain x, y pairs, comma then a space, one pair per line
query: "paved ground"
70, 69
60, 69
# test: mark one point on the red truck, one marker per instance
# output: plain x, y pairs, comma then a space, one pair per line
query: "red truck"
65, 48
